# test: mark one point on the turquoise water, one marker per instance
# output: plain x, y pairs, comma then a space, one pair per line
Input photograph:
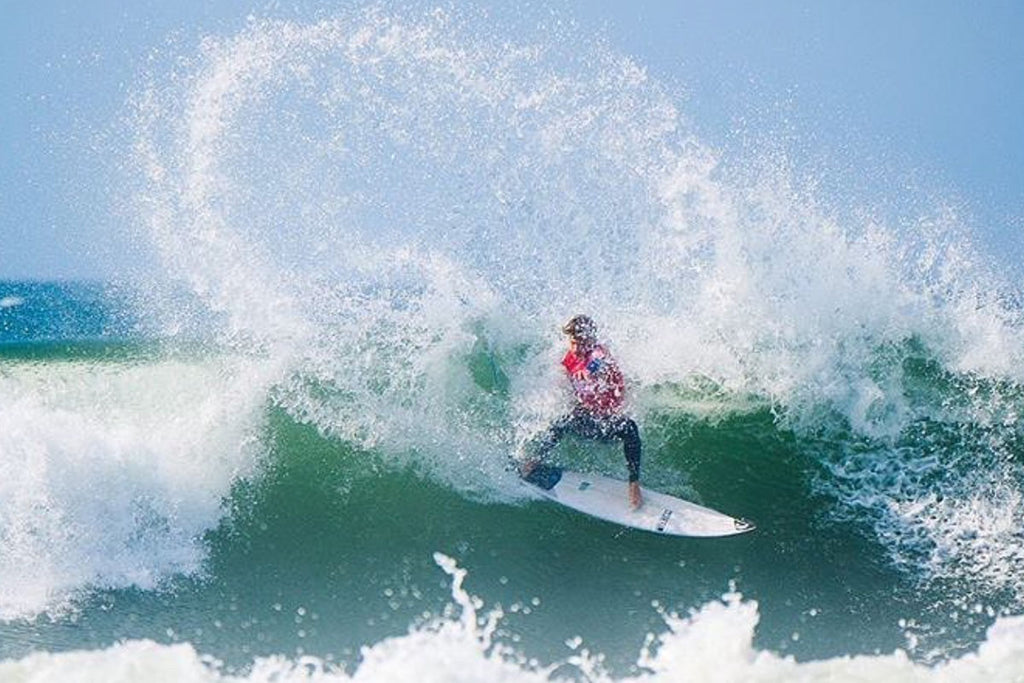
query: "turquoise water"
282, 449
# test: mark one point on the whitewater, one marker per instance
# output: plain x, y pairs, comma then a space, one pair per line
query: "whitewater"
282, 449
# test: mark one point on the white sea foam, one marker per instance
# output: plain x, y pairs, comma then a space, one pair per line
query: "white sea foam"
370, 200
520, 184
714, 643
111, 473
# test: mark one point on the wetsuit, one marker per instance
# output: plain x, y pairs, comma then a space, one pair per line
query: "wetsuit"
600, 389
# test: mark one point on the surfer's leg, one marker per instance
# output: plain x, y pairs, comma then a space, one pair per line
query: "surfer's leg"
630, 436
625, 429
559, 428
547, 442
631, 447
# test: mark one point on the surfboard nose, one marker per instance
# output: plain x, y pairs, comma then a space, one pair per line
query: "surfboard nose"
743, 524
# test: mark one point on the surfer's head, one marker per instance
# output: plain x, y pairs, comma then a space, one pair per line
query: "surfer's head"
582, 330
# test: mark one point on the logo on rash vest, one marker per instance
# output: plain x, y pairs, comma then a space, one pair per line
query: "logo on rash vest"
663, 519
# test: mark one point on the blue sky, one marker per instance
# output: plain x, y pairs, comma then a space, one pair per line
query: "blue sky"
927, 89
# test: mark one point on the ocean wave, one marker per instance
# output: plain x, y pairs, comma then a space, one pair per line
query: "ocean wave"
499, 189
389, 218
713, 643
112, 473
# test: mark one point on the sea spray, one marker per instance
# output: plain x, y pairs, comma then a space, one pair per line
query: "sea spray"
713, 643
372, 200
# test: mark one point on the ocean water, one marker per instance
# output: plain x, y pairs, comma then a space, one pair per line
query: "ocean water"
278, 451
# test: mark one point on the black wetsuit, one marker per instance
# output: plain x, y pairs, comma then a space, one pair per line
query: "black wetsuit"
582, 422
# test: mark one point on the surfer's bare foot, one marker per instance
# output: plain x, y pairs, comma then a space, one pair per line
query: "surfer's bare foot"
635, 498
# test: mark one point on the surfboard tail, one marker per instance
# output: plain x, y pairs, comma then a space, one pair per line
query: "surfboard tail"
544, 476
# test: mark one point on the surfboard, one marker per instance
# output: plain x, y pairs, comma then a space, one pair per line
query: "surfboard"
605, 498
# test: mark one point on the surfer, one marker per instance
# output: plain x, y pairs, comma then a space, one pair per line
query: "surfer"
599, 390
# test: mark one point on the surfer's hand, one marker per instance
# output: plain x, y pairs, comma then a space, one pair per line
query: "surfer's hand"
635, 497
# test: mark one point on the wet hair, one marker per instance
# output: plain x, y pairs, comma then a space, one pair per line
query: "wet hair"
581, 327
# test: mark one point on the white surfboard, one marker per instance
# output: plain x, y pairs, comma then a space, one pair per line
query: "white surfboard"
606, 498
